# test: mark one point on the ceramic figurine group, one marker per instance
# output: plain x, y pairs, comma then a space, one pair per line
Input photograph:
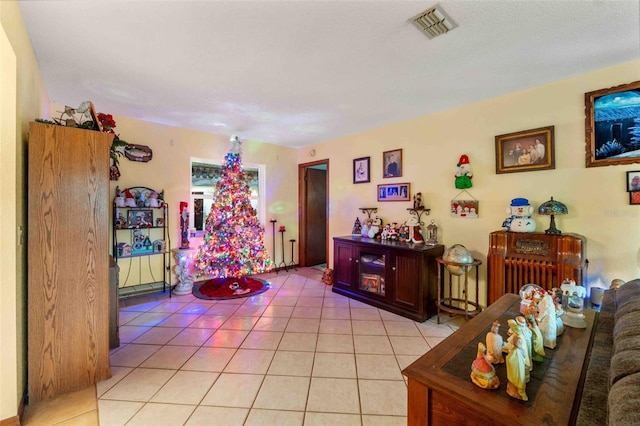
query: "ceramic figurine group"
528, 336
409, 231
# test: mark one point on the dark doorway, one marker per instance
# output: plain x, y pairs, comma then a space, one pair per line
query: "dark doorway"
313, 188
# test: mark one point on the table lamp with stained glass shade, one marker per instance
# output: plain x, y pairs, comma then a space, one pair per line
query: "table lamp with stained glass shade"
552, 208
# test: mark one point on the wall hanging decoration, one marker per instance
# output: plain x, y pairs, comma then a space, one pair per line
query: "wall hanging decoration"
612, 125
634, 198
465, 208
361, 168
394, 192
463, 173
525, 151
392, 163
141, 153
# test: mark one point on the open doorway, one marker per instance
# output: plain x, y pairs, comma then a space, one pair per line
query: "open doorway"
313, 212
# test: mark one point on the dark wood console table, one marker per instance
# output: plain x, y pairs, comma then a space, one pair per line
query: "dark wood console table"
441, 393
399, 277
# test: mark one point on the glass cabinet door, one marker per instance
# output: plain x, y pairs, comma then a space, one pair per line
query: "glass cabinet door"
372, 272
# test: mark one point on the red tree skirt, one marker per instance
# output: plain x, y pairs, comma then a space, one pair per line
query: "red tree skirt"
229, 288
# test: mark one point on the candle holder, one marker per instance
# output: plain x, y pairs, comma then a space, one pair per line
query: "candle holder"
282, 264
273, 232
291, 264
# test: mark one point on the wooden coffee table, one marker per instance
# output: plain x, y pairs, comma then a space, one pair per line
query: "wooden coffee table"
441, 392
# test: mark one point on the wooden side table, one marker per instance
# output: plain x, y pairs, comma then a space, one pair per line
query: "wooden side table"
451, 304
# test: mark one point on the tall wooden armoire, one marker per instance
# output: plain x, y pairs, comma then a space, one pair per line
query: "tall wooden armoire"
68, 259
516, 259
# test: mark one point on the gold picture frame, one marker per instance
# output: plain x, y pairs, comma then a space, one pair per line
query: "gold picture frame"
611, 129
526, 151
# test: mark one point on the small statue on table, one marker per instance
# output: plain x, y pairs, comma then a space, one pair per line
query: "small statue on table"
517, 370
494, 344
482, 372
536, 339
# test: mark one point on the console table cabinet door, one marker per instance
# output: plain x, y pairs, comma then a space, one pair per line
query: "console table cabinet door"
407, 268
344, 265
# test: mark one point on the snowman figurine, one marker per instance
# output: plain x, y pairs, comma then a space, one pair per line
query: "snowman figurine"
520, 219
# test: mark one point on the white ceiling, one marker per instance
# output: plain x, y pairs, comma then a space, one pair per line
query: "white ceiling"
301, 72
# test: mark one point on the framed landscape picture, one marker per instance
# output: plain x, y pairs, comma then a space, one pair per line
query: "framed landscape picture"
525, 151
612, 125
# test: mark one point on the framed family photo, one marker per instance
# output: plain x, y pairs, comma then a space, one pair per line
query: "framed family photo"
525, 151
361, 170
611, 125
392, 163
633, 181
394, 192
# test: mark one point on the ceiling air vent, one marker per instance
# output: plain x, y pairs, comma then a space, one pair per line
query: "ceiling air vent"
433, 22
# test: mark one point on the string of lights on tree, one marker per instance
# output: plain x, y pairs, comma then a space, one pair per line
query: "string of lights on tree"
233, 244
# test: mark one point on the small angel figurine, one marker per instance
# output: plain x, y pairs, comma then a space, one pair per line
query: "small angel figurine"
482, 372
517, 370
494, 344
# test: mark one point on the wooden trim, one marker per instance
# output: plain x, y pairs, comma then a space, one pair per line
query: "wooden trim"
11, 421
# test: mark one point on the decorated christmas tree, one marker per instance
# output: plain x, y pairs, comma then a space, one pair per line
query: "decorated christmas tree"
233, 243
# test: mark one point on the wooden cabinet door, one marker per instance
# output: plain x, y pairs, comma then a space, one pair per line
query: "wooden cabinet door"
68, 266
343, 269
407, 278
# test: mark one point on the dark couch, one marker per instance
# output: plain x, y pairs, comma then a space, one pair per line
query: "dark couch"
611, 393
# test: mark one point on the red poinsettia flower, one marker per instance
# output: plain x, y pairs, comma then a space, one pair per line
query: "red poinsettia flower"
107, 121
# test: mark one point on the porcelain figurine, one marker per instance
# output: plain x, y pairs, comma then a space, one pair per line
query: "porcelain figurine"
482, 372
547, 321
537, 343
517, 370
516, 333
495, 344
415, 234
520, 219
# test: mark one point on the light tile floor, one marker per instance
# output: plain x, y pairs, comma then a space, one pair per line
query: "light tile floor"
297, 354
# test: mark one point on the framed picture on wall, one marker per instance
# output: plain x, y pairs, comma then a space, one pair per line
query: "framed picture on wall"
634, 198
392, 163
633, 181
361, 170
525, 151
394, 192
611, 125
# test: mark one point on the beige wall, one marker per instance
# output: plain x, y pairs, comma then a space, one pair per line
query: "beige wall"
19, 105
170, 170
596, 197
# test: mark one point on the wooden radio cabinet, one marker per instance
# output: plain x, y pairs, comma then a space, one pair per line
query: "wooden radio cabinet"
516, 259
